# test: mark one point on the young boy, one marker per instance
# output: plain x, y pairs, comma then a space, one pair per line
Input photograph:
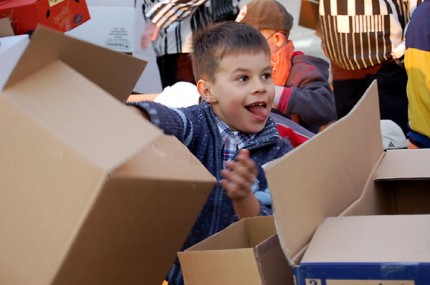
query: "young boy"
230, 132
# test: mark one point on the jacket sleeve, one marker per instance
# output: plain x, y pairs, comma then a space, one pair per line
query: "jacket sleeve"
164, 13
308, 94
171, 120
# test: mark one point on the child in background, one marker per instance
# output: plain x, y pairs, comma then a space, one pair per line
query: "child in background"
230, 131
417, 64
302, 81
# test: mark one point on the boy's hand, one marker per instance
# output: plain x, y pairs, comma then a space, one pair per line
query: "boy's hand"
239, 176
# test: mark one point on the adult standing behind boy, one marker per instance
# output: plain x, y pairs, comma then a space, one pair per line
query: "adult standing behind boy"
306, 96
230, 131
417, 63
364, 41
169, 26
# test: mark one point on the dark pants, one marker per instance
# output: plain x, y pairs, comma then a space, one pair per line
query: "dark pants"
393, 100
174, 68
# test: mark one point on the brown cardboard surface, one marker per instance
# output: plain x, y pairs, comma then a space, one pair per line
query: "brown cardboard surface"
404, 179
336, 164
85, 182
404, 164
344, 171
106, 65
246, 252
359, 239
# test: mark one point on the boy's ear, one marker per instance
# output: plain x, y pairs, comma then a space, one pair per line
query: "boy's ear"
280, 39
203, 87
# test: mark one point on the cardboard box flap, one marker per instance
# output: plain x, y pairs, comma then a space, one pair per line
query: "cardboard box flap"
136, 227
114, 72
404, 164
239, 235
93, 126
91, 122
370, 239
304, 193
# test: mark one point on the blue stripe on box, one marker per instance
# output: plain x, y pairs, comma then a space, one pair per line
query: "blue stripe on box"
319, 273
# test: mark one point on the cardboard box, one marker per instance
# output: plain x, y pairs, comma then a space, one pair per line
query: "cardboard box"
112, 25
26, 15
11, 49
342, 171
382, 249
246, 252
91, 193
346, 172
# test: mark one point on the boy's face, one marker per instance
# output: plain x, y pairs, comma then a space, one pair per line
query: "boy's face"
243, 92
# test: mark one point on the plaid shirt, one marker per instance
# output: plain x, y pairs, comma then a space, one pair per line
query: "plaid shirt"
232, 140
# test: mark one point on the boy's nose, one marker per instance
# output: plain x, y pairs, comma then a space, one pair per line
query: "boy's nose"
258, 87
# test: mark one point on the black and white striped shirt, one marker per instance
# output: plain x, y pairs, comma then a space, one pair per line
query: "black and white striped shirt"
359, 34
178, 18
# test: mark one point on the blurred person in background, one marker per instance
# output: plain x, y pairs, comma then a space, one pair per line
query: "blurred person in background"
169, 26
417, 63
364, 41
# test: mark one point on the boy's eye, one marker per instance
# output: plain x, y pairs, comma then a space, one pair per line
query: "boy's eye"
242, 78
266, 75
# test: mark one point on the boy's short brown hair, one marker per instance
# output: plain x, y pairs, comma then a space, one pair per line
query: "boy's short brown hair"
212, 44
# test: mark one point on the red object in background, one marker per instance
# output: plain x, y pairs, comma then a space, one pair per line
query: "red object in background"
61, 15
290, 129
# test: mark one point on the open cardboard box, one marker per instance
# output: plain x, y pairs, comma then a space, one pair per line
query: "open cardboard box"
11, 49
344, 171
91, 193
26, 15
246, 252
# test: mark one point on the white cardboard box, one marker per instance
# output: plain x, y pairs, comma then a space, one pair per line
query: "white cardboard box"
11, 49
112, 25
